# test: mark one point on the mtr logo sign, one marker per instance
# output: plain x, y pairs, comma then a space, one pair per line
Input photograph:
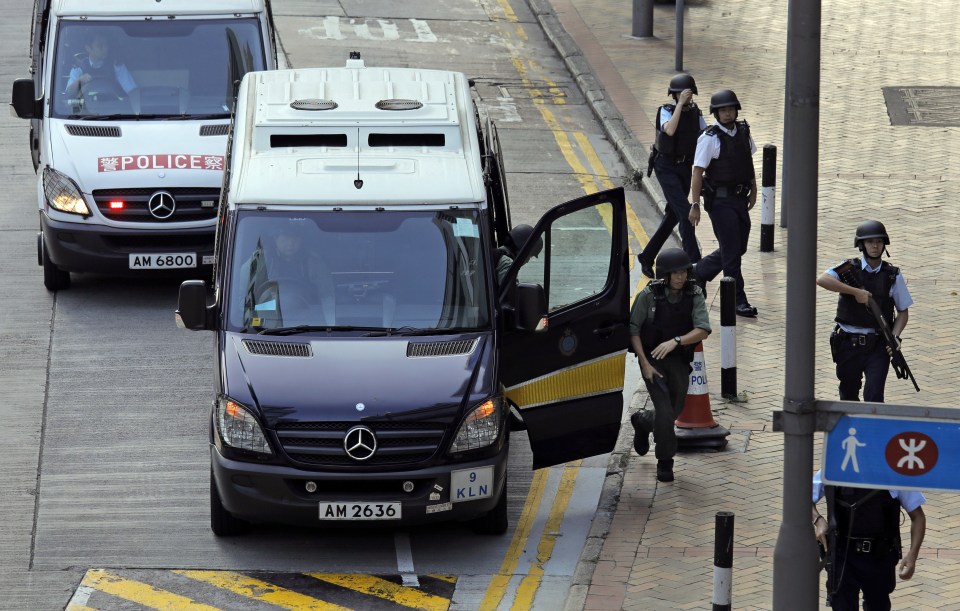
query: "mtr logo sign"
889, 452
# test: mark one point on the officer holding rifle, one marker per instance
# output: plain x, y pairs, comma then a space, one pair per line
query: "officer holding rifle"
862, 343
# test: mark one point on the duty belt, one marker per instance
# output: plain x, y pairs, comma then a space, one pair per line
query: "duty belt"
857, 339
731, 190
677, 159
870, 546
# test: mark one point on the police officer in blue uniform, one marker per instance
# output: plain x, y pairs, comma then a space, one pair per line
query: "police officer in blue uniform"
861, 536
101, 73
724, 163
857, 348
678, 126
668, 319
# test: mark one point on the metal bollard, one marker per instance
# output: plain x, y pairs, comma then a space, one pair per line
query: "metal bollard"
769, 192
678, 45
728, 338
723, 561
643, 18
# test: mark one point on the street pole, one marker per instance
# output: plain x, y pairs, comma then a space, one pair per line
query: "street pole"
795, 561
678, 46
642, 19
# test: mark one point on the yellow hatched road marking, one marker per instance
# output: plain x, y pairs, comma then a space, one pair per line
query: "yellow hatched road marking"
498, 583
551, 530
140, 593
259, 590
387, 590
76, 607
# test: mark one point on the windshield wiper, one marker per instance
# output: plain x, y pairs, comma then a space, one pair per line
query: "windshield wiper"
306, 328
113, 117
408, 331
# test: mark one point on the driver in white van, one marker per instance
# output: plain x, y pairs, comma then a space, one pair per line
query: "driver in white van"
98, 67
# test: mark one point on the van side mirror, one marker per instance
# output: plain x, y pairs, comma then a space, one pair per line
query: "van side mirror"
24, 99
192, 311
531, 307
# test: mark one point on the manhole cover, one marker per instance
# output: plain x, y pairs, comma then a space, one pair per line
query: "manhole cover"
923, 105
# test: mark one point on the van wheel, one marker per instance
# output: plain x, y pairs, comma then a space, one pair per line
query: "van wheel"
54, 278
222, 522
495, 522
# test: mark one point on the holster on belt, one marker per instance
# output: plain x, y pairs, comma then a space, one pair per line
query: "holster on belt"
650, 160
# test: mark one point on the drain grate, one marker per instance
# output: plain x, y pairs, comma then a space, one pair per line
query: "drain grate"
923, 105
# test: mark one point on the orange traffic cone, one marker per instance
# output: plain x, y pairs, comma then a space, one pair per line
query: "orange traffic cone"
696, 428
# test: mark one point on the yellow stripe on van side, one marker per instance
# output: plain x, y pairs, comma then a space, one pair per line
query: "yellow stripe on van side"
599, 376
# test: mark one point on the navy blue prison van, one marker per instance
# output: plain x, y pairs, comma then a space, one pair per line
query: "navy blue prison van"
370, 360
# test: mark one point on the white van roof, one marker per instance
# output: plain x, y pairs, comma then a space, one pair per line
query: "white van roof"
108, 8
308, 136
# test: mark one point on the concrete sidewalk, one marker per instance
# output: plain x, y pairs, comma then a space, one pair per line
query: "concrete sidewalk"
652, 543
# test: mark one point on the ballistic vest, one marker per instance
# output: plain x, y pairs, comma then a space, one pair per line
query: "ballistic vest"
734, 165
871, 517
850, 312
669, 319
683, 142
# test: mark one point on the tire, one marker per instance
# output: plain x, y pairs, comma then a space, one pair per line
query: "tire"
222, 522
494, 522
54, 278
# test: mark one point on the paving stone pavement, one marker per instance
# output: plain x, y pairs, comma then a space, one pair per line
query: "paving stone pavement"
655, 548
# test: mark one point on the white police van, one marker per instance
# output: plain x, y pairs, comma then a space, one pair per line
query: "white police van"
129, 106
368, 354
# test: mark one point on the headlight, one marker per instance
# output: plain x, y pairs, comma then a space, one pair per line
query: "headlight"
62, 193
239, 429
480, 428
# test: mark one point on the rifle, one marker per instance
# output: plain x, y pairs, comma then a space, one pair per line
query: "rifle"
896, 356
897, 360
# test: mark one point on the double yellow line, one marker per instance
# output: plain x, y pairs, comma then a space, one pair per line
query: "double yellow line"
591, 181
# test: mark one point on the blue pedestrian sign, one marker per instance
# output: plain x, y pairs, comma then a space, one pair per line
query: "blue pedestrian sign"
884, 452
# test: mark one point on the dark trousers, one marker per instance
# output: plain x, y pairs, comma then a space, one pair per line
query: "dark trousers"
873, 574
731, 225
666, 405
856, 362
674, 179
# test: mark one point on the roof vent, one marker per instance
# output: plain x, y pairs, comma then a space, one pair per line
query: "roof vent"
399, 104
313, 104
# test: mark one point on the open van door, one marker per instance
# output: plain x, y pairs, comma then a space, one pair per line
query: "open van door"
565, 322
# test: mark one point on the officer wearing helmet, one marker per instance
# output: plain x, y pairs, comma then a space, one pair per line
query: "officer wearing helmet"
724, 162
679, 124
857, 349
508, 252
668, 319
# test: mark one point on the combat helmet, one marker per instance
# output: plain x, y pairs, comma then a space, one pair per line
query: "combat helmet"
672, 260
722, 99
680, 82
870, 229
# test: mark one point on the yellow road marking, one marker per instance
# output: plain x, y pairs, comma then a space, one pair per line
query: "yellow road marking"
498, 583
508, 11
447, 578
387, 590
259, 590
551, 530
140, 593
76, 607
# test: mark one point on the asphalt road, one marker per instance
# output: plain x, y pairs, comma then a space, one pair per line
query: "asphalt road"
105, 402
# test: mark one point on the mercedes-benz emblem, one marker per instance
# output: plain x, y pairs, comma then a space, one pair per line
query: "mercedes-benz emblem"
360, 443
161, 205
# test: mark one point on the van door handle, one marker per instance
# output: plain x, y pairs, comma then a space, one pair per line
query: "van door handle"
605, 332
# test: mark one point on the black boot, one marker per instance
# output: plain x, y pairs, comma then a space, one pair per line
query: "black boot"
665, 470
641, 436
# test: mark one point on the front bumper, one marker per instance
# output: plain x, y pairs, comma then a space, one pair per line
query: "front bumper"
102, 249
271, 493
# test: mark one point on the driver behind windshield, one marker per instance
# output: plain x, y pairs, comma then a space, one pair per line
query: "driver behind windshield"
107, 74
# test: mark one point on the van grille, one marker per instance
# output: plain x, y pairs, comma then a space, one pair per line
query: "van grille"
109, 131
455, 348
277, 348
320, 444
192, 204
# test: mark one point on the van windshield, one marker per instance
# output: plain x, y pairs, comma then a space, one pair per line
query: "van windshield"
156, 69
400, 270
